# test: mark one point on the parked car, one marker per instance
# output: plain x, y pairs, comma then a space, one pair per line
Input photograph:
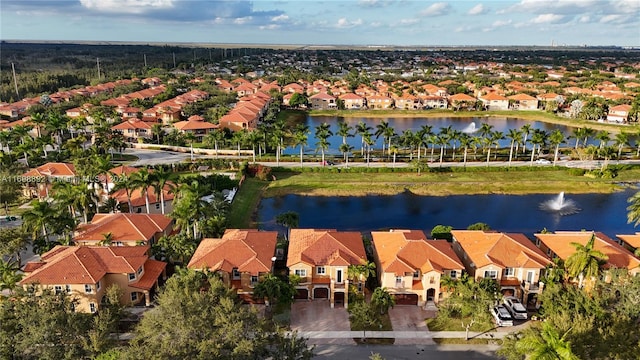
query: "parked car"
543, 162
515, 307
502, 316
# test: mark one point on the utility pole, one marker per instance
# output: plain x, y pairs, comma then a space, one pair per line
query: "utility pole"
145, 60
98, 62
15, 80
174, 60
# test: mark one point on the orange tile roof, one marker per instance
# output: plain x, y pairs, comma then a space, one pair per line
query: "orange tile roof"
194, 125
492, 96
247, 250
152, 271
401, 251
325, 247
138, 199
461, 97
633, 240
52, 169
560, 243
85, 264
124, 227
521, 97
500, 249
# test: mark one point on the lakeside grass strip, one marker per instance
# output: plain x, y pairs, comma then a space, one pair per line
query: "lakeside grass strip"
245, 204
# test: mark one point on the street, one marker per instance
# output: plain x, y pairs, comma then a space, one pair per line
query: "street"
406, 352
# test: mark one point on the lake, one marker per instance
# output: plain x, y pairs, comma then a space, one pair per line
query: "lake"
505, 213
503, 124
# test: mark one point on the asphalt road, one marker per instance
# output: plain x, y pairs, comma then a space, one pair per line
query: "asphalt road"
406, 352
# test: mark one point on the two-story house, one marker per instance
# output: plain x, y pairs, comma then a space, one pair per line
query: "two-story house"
322, 101
85, 272
240, 257
494, 101
410, 266
38, 181
619, 113
511, 259
195, 125
123, 229
352, 101
321, 258
134, 129
559, 244
379, 102
523, 102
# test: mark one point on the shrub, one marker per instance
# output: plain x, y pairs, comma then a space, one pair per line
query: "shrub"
577, 172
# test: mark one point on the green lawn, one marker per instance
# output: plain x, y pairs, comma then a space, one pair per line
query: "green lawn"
452, 324
472, 181
454, 341
386, 326
245, 203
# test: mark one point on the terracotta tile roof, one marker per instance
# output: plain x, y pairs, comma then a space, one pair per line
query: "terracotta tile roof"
633, 240
521, 97
152, 271
322, 96
85, 264
248, 250
461, 97
52, 169
132, 124
138, 199
500, 249
351, 96
401, 251
124, 227
492, 96
560, 243
325, 247
622, 108
194, 125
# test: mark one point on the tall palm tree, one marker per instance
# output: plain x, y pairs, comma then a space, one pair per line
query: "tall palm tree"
603, 137
56, 123
526, 131
344, 130
513, 135
323, 132
157, 131
9, 275
579, 134
382, 300
86, 198
633, 210
39, 217
423, 134
621, 140
485, 132
239, 138
556, 138
214, 138
300, 138
162, 179
142, 180
537, 139
362, 129
465, 143
39, 121
607, 153
345, 149
585, 261
253, 138
381, 128
189, 207
126, 183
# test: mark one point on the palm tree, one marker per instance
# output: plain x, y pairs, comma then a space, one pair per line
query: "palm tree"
156, 129
368, 141
363, 129
621, 140
161, 178
107, 239
514, 135
253, 138
189, 207
65, 194
126, 183
288, 219
345, 149
423, 135
579, 134
585, 261
39, 218
56, 123
344, 130
239, 137
537, 139
382, 300
9, 275
394, 151
607, 153
448, 283
214, 138
485, 132
526, 130
444, 136
556, 138
381, 128
86, 198
588, 132
465, 143
142, 180
323, 132
633, 214
545, 343
496, 136
603, 137
300, 138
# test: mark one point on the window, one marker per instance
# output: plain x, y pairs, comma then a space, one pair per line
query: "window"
320, 270
491, 274
57, 289
398, 281
453, 274
88, 288
157, 206
140, 270
132, 276
549, 252
432, 280
118, 243
301, 272
235, 274
254, 280
98, 286
134, 296
509, 272
92, 307
68, 289
416, 274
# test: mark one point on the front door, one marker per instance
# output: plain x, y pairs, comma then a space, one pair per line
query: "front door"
530, 276
339, 276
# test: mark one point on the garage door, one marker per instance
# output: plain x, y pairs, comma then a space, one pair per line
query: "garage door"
406, 299
302, 294
338, 298
321, 293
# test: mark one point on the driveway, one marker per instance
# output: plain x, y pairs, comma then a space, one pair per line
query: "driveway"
409, 318
317, 315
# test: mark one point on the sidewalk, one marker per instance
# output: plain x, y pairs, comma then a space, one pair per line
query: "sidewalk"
401, 334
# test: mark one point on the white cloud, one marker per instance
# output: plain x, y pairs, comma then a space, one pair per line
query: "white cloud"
280, 18
477, 10
584, 19
437, 9
343, 23
127, 6
269, 27
404, 22
243, 20
497, 24
612, 19
547, 19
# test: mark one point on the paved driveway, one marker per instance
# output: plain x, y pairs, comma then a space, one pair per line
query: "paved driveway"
409, 318
317, 315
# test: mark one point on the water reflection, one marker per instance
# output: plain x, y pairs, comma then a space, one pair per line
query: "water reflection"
508, 213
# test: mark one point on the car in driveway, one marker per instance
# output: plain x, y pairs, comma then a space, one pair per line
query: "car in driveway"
501, 316
515, 307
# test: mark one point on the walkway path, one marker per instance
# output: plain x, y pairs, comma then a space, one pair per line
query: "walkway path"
414, 335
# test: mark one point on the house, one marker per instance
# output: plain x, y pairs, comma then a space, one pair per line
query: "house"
523, 102
240, 257
407, 102
138, 200
38, 181
630, 242
352, 101
379, 102
494, 101
125, 229
619, 114
196, 126
461, 100
410, 266
134, 129
86, 272
433, 102
559, 244
237, 120
511, 259
322, 101
321, 259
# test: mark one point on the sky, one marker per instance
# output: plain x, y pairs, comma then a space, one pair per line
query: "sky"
332, 22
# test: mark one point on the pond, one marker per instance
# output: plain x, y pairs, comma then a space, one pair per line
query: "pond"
503, 124
506, 213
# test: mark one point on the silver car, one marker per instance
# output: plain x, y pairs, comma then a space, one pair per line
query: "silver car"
515, 307
502, 316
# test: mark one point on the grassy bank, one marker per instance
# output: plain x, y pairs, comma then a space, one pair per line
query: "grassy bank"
541, 116
473, 181
245, 204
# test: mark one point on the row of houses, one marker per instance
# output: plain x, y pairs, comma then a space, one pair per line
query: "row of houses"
408, 264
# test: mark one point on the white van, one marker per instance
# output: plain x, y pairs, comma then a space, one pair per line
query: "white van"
502, 316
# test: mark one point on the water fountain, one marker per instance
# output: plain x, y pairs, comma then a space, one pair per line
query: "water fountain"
559, 205
470, 129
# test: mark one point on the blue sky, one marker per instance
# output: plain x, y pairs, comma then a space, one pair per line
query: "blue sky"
355, 22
